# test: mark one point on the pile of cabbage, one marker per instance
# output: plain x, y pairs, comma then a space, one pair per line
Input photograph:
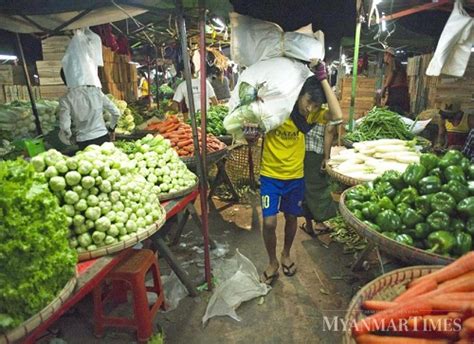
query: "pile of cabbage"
105, 200
126, 122
159, 163
17, 120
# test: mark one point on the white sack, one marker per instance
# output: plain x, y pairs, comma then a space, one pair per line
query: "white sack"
454, 47
282, 79
254, 40
82, 58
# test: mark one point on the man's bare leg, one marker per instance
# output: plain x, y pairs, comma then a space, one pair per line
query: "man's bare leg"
270, 240
290, 232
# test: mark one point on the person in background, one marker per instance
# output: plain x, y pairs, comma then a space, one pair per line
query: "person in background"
468, 149
181, 92
454, 126
82, 108
220, 83
318, 204
143, 87
395, 87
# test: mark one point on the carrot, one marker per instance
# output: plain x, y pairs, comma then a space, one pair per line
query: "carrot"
373, 339
464, 283
453, 270
376, 305
171, 128
468, 324
403, 311
456, 297
182, 144
419, 289
464, 341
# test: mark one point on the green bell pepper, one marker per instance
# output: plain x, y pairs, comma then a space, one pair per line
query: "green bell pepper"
466, 206
456, 189
372, 226
353, 204
438, 220
441, 242
402, 208
444, 202
429, 185
413, 174
429, 161
470, 174
390, 235
465, 165
404, 239
410, 218
385, 189
371, 211
421, 231
452, 157
386, 203
463, 243
470, 187
358, 193
407, 195
388, 220
423, 204
455, 173
357, 213
437, 172
394, 178
470, 226
457, 225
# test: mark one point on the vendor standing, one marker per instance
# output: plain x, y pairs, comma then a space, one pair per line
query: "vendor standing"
81, 116
220, 84
143, 87
454, 126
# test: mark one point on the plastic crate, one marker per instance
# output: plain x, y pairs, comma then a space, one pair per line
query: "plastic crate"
32, 147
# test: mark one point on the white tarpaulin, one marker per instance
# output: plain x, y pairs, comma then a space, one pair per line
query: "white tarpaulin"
103, 15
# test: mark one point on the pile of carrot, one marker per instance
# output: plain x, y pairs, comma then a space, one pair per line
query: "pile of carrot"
435, 308
181, 136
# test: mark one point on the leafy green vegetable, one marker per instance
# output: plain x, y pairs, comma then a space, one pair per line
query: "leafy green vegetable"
35, 259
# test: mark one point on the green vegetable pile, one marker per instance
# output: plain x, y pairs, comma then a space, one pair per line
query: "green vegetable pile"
17, 120
429, 206
215, 118
159, 163
126, 122
380, 123
35, 259
166, 91
103, 196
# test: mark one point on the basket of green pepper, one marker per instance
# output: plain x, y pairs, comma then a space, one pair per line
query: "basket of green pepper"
425, 215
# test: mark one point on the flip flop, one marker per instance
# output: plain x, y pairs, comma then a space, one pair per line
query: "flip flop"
269, 280
287, 269
304, 229
322, 228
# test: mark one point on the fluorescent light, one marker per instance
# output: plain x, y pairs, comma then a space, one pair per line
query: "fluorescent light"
384, 25
472, 49
343, 58
8, 57
404, 62
377, 2
330, 48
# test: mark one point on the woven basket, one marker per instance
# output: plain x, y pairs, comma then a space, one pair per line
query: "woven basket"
181, 193
211, 158
385, 288
237, 164
408, 254
341, 178
119, 246
32, 323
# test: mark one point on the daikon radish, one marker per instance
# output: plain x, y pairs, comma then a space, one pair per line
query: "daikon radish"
392, 148
408, 158
363, 175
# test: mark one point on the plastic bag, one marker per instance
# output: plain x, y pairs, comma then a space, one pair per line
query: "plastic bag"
240, 283
277, 82
82, 58
174, 291
256, 40
454, 47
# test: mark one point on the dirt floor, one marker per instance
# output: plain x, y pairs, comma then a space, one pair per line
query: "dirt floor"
292, 312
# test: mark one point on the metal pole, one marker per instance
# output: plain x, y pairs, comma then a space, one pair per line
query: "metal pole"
197, 153
354, 74
28, 84
157, 82
204, 104
148, 62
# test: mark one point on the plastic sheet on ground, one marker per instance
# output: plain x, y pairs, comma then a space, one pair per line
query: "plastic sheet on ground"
174, 291
238, 282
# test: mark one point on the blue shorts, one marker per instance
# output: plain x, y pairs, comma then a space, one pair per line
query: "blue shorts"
281, 195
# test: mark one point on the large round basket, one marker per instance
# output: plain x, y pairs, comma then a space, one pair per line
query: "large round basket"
384, 288
132, 241
180, 193
408, 254
341, 178
32, 323
211, 158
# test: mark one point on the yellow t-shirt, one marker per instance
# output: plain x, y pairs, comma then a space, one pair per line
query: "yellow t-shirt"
283, 152
462, 127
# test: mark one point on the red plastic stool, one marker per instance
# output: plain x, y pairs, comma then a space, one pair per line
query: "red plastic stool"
130, 275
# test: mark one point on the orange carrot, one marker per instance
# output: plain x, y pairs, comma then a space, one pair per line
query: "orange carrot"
182, 144
419, 289
453, 270
402, 311
373, 339
375, 305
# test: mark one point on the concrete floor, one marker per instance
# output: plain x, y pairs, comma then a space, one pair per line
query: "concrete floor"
292, 312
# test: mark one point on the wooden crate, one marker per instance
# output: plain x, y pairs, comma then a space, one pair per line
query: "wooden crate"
6, 75
364, 97
107, 55
53, 91
48, 69
54, 47
18, 92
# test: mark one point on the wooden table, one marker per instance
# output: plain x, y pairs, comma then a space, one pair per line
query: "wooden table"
92, 272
